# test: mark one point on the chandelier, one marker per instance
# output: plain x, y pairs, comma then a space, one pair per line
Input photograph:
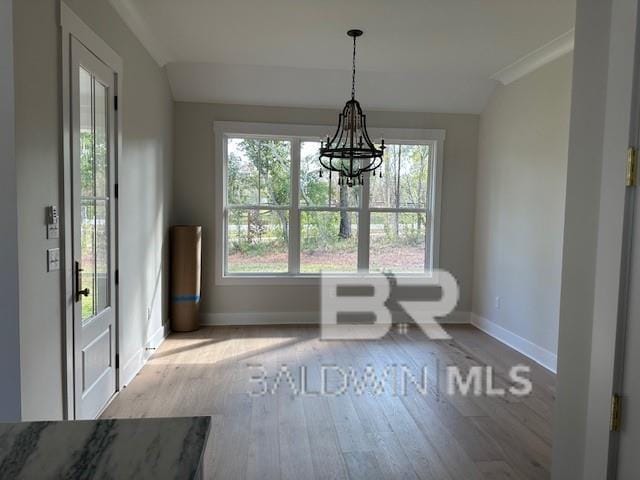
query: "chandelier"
351, 152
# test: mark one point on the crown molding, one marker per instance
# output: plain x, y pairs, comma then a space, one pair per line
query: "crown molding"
536, 59
135, 21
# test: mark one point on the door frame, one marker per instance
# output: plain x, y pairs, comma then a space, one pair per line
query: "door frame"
631, 216
71, 26
615, 228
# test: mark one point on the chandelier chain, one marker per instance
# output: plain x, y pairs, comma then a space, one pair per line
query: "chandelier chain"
353, 73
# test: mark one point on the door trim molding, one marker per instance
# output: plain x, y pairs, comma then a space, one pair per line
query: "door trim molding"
629, 219
72, 26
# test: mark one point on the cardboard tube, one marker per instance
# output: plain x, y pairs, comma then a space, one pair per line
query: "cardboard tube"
186, 244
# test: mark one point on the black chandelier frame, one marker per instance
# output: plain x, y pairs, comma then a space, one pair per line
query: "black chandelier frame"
351, 152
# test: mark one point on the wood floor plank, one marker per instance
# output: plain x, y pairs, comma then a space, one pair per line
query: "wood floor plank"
497, 471
264, 447
328, 461
392, 458
295, 452
352, 433
231, 457
363, 466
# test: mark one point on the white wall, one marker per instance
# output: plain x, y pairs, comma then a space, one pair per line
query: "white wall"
9, 323
37, 159
145, 192
520, 198
195, 199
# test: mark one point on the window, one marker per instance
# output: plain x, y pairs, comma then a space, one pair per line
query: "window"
258, 205
400, 204
279, 219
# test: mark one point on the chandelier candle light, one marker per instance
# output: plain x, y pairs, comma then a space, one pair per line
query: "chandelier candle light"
351, 152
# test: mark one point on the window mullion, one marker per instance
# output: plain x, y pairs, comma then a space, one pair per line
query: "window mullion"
364, 219
294, 211
430, 217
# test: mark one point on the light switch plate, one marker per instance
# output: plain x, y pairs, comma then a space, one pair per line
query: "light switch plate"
53, 259
53, 231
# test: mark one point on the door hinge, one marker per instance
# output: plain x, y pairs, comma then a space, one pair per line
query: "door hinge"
117, 360
115, 102
117, 277
116, 190
616, 407
632, 166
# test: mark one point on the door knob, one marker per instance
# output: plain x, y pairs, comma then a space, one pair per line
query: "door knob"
85, 291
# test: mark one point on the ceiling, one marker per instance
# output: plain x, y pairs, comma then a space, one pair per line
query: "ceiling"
424, 55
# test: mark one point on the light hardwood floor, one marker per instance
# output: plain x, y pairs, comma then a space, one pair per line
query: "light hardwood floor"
368, 436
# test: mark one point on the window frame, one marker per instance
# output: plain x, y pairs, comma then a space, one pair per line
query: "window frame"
297, 134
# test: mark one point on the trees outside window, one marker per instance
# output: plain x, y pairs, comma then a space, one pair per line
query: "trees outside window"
282, 217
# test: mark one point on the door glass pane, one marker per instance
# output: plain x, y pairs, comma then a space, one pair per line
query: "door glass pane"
328, 242
87, 257
319, 191
101, 170
87, 182
102, 255
397, 242
257, 241
94, 195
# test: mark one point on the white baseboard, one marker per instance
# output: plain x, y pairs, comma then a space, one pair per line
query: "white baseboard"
546, 358
132, 366
290, 318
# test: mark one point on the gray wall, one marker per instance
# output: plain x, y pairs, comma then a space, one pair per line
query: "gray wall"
522, 161
9, 323
145, 186
194, 199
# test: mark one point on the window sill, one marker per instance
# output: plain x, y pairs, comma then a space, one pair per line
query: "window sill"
297, 280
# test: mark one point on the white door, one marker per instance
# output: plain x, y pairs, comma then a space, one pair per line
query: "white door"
629, 437
93, 208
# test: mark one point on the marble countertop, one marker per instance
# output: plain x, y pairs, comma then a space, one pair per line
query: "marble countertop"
153, 448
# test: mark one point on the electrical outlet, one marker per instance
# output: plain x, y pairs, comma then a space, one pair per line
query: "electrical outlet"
148, 313
498, 302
